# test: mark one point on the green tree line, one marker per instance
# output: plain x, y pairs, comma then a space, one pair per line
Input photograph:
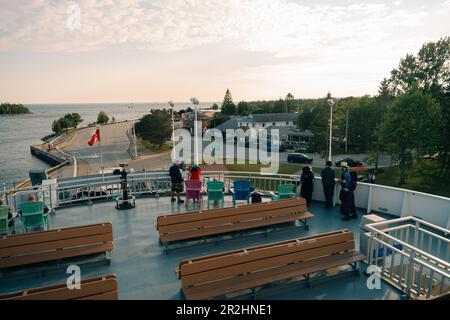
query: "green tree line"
70, 120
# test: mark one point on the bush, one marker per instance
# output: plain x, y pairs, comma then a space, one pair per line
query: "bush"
102, 118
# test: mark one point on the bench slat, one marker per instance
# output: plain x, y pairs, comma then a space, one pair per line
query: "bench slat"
254, 280
231, 211
273, 262
54, 245
90, 289
54, 255
230, 219
233, 227
262, 253
53, 235
265, 246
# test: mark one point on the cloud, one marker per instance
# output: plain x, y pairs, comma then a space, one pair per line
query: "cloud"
278, 26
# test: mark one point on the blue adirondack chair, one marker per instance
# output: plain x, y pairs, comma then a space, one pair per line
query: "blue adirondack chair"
4, 220
241, 191
284, 191
33, 214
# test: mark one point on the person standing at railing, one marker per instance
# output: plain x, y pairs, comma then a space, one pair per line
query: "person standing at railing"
176, 179
307, 180
347, 196
194, 172
328, 181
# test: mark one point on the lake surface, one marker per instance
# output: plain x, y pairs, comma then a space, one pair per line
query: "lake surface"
18, 132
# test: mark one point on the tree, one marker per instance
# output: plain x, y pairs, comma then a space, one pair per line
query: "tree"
243, 108
289, 99
228, 106
74, 119
410, 128
155, 127
215, 106
56, 127
102, 118
279, 106
429, 71
8, 108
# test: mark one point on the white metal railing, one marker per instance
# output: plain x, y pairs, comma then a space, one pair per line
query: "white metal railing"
371, 197
413, 254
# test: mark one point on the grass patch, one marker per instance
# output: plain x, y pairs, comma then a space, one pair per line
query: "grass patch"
423, 176
283, 168
154, 148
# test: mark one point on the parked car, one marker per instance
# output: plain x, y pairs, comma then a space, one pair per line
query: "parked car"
350, 162
299, 157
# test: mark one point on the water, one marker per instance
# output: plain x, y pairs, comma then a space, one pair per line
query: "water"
18, 132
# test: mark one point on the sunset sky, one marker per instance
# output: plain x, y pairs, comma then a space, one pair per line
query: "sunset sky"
159, 50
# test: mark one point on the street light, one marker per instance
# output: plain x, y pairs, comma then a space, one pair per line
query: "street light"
134, 130
171, 104
195, 102
331, 103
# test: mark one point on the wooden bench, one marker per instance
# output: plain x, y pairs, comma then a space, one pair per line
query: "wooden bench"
247, 269
100, 288
58, 244
187, 226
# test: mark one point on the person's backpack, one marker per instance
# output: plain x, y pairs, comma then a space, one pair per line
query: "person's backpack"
256, 197
354, 177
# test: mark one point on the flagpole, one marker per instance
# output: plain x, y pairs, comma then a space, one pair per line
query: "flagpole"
101, 154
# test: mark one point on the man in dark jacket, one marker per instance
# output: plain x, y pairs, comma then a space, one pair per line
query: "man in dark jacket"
177, 181
328, 175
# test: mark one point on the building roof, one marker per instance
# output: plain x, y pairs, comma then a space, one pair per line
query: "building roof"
270, 117
292, 131
229, 124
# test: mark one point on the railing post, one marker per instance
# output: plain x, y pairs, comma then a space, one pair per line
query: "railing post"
89, 194
409, 274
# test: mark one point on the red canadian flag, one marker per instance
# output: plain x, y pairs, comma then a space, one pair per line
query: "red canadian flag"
94, 137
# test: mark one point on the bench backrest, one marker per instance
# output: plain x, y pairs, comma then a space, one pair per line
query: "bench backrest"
230, 264
190, 221
55, 244
99, 288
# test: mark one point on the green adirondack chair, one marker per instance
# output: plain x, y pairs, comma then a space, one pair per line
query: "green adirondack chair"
215, 190
4, 221
33, 214
284, 191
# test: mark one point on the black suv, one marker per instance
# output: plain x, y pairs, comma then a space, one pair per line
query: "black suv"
299, 157
350, 162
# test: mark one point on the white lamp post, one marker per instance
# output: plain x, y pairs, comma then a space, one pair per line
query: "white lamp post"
195, 102
171, 104
134, 130
331, 103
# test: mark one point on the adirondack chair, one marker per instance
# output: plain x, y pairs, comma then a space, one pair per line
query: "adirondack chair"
33, 214
215, 191
284, 191
193, 190
241, 191
4, 221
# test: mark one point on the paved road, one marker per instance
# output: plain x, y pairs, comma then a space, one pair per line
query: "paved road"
116, 149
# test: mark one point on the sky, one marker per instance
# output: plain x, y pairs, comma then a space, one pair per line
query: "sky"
94, 51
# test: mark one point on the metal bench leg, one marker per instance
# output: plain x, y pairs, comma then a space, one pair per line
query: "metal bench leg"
108, 257
308, 280
305, 223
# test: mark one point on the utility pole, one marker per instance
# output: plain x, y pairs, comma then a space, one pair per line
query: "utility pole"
173, 131
346, 133
331, 103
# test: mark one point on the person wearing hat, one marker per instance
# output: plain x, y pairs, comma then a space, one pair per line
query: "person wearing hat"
347, 197
177, 181
195, 172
